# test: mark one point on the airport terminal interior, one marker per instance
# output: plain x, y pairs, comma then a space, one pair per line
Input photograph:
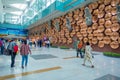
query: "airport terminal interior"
59, 39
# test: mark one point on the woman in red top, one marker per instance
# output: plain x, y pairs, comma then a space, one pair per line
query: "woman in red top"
24, 51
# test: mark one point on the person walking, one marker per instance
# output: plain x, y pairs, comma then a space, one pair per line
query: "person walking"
24, 51
11, 51
9, 47
88, 55
13, 55
40, 42
48, 43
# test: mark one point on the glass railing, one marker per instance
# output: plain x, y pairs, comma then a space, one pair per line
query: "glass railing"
57, 5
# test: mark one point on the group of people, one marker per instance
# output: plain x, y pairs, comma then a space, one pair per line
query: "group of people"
12, 49
40, 43
85, 52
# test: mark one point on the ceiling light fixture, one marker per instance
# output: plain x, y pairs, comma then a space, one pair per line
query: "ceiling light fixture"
19, 6
17, 12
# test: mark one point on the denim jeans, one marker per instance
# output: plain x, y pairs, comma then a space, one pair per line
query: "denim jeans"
24, 59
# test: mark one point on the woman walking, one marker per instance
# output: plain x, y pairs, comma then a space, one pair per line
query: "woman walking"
88, 55
24, 51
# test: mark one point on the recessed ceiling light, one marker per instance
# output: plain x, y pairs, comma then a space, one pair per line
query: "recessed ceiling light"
19, 6
27, 0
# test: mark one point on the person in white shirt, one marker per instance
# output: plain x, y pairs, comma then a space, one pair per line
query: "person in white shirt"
88, 55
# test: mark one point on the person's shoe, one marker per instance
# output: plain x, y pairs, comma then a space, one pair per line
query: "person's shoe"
12, 66
22, 67
82, 57
83, 64
92, 66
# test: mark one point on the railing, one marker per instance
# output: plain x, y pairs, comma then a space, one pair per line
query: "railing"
57, 5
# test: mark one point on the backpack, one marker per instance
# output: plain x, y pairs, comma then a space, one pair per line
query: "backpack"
0, 43
15, 48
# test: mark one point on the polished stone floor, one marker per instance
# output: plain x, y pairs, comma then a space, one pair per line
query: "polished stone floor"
59, 64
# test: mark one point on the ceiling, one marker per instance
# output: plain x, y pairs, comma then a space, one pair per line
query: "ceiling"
23, 11
11, 10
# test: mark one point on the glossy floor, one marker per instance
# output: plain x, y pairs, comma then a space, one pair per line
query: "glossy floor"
59, 64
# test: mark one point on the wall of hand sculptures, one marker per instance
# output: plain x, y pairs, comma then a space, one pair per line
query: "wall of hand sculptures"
103, 33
